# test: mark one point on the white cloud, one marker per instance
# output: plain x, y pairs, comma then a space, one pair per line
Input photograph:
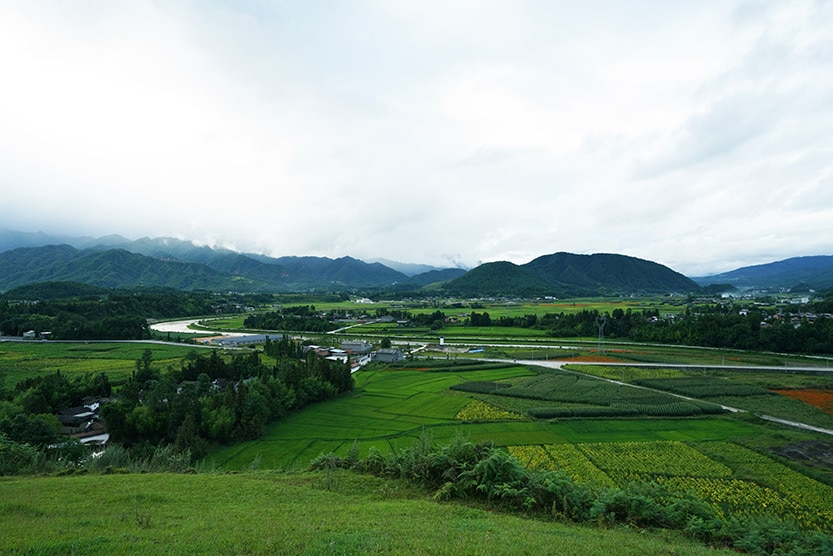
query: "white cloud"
694, 135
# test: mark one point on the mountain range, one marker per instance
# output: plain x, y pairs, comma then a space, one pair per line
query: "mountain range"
115, 262
813, 272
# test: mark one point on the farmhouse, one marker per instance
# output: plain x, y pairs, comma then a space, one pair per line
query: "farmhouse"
250, 339
339, 355
388, 355
75, 419
356, 347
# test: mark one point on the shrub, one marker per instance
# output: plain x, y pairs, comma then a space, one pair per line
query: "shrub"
114, 456
16, 458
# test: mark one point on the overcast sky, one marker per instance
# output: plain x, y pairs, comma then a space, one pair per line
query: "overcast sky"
695, 134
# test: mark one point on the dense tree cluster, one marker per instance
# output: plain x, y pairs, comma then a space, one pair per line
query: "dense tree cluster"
298, 318
116, 315
484, 319
210, 399
214, 400
434, 321
722, 326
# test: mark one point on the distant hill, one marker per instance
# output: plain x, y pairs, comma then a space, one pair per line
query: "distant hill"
221, 271
499, 278
181, 265
112, 268
568, 274
815, 272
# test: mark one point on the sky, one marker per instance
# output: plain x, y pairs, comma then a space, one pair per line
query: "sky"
447, 132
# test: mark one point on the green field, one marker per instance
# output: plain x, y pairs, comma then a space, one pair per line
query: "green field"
390, 409
393, 409
21, 360
277, 513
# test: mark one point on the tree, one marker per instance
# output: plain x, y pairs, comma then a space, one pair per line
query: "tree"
143, 369
36, 430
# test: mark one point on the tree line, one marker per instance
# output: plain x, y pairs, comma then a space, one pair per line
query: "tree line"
114, 315
720, 326
296, 318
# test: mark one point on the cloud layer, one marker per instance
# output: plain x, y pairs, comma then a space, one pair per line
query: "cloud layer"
696, 135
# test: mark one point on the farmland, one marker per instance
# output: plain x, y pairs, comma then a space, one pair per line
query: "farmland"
391, 408
598, 433
21, 360
720, 457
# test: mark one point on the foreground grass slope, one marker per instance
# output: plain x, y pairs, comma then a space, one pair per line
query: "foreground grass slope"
277, 513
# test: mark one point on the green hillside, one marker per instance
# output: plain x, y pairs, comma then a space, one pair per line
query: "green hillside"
571, 275
277, 513
214, 271
500, 278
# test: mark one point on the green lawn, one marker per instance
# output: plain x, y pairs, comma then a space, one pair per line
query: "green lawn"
276, 513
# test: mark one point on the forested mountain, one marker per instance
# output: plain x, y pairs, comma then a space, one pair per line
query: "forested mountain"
110, 269
499, 278
114, 261
561, 274
568, 274
817, 272
224, 271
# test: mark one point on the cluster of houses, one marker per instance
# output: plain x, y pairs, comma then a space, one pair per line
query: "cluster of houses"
83, 422
358, 353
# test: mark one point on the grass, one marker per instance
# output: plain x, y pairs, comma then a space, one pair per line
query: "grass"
277, 513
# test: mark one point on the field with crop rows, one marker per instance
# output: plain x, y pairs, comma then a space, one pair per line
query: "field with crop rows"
392, 408
562, 457
628, 461
566, 394
736, 392
734, 479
